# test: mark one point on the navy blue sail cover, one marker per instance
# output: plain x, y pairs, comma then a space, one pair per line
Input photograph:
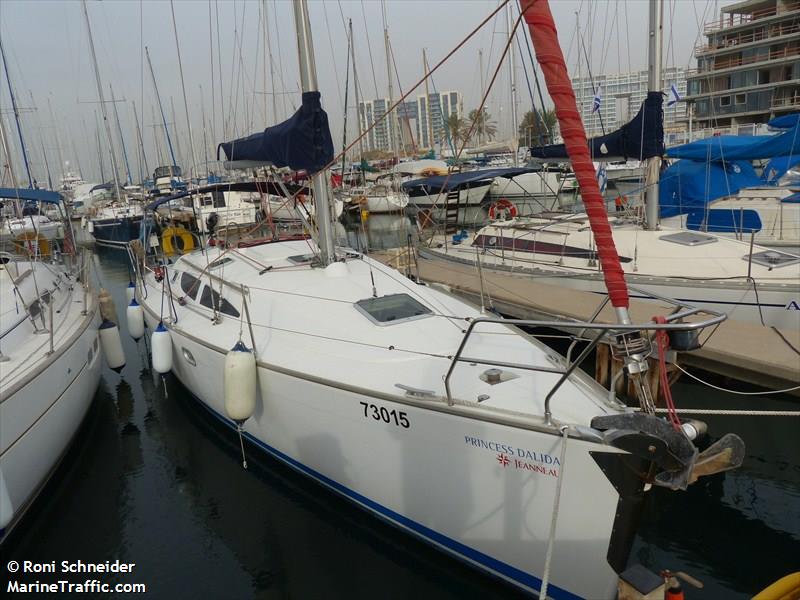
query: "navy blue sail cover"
640, 138
302, 142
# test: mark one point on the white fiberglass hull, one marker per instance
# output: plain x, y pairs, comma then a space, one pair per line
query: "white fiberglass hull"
739, 302
39, 420
443, 479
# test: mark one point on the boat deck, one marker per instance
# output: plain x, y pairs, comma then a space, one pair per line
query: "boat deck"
742, 351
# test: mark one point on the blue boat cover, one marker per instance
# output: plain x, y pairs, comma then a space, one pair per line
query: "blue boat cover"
687, 184
440, 183
723, 220
302, 142
736, 147
777, 167
30, 195
641, 138
785, 121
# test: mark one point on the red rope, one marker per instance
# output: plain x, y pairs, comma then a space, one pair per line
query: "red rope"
550, 57
662, 339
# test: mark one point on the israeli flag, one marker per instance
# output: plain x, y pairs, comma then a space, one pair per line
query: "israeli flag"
596, 101
602, 177
674, 96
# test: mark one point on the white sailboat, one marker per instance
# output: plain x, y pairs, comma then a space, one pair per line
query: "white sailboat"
450, 425
49, 360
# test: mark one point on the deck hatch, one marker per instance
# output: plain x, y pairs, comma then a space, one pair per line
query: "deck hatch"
391, 309
689, 238
773, 259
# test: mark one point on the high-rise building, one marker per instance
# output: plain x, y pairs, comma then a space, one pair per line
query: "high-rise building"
435, 109
748, 70
382, 136
621, 96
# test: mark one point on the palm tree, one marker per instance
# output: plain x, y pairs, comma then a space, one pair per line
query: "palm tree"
457, 128
536, 128
482, 124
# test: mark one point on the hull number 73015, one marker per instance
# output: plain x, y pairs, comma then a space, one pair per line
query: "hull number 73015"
381, 413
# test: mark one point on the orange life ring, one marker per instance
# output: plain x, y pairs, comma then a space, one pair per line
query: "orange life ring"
504, 208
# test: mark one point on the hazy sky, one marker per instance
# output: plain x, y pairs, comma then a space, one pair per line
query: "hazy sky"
46, 44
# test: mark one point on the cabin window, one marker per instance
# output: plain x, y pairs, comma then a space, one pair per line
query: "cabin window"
206, 201
219, 199
210, 296
392, 309
725, 101
190, 285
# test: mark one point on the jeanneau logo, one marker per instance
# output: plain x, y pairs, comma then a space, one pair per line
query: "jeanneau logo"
519, 458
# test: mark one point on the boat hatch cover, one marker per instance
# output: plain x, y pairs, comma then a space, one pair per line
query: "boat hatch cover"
773, 259
689, 238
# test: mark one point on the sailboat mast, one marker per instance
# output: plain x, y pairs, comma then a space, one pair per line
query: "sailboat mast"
308, 83
513, 82
654, 84
160, 107
9, 163
102, 101
15, 108
427, 100
392, 123
355, 87
143, 171
121, 139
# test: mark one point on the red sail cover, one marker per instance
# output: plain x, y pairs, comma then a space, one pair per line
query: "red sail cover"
548, 52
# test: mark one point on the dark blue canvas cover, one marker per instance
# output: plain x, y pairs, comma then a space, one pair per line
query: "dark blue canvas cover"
641, 138
453, 181
777, 167
31, 195
302, 142
687, 184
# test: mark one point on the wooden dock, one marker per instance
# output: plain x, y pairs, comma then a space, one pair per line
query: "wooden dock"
743, 351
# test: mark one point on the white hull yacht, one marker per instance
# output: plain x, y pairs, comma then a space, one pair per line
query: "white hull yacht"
452, 426
50, 366
756, 285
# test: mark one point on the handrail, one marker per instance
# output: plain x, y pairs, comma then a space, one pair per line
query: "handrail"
672, 323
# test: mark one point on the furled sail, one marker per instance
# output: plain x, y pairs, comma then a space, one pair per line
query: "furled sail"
640, 138
302, 142
551, 58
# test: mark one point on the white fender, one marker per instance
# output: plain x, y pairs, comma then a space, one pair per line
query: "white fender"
130, 291
90, 227
239, 380
111, 343
135, 316
161, 344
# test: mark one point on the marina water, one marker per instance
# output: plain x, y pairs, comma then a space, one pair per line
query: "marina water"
153, 479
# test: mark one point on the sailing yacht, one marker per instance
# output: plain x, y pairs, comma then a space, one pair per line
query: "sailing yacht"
450, 425
49, 358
